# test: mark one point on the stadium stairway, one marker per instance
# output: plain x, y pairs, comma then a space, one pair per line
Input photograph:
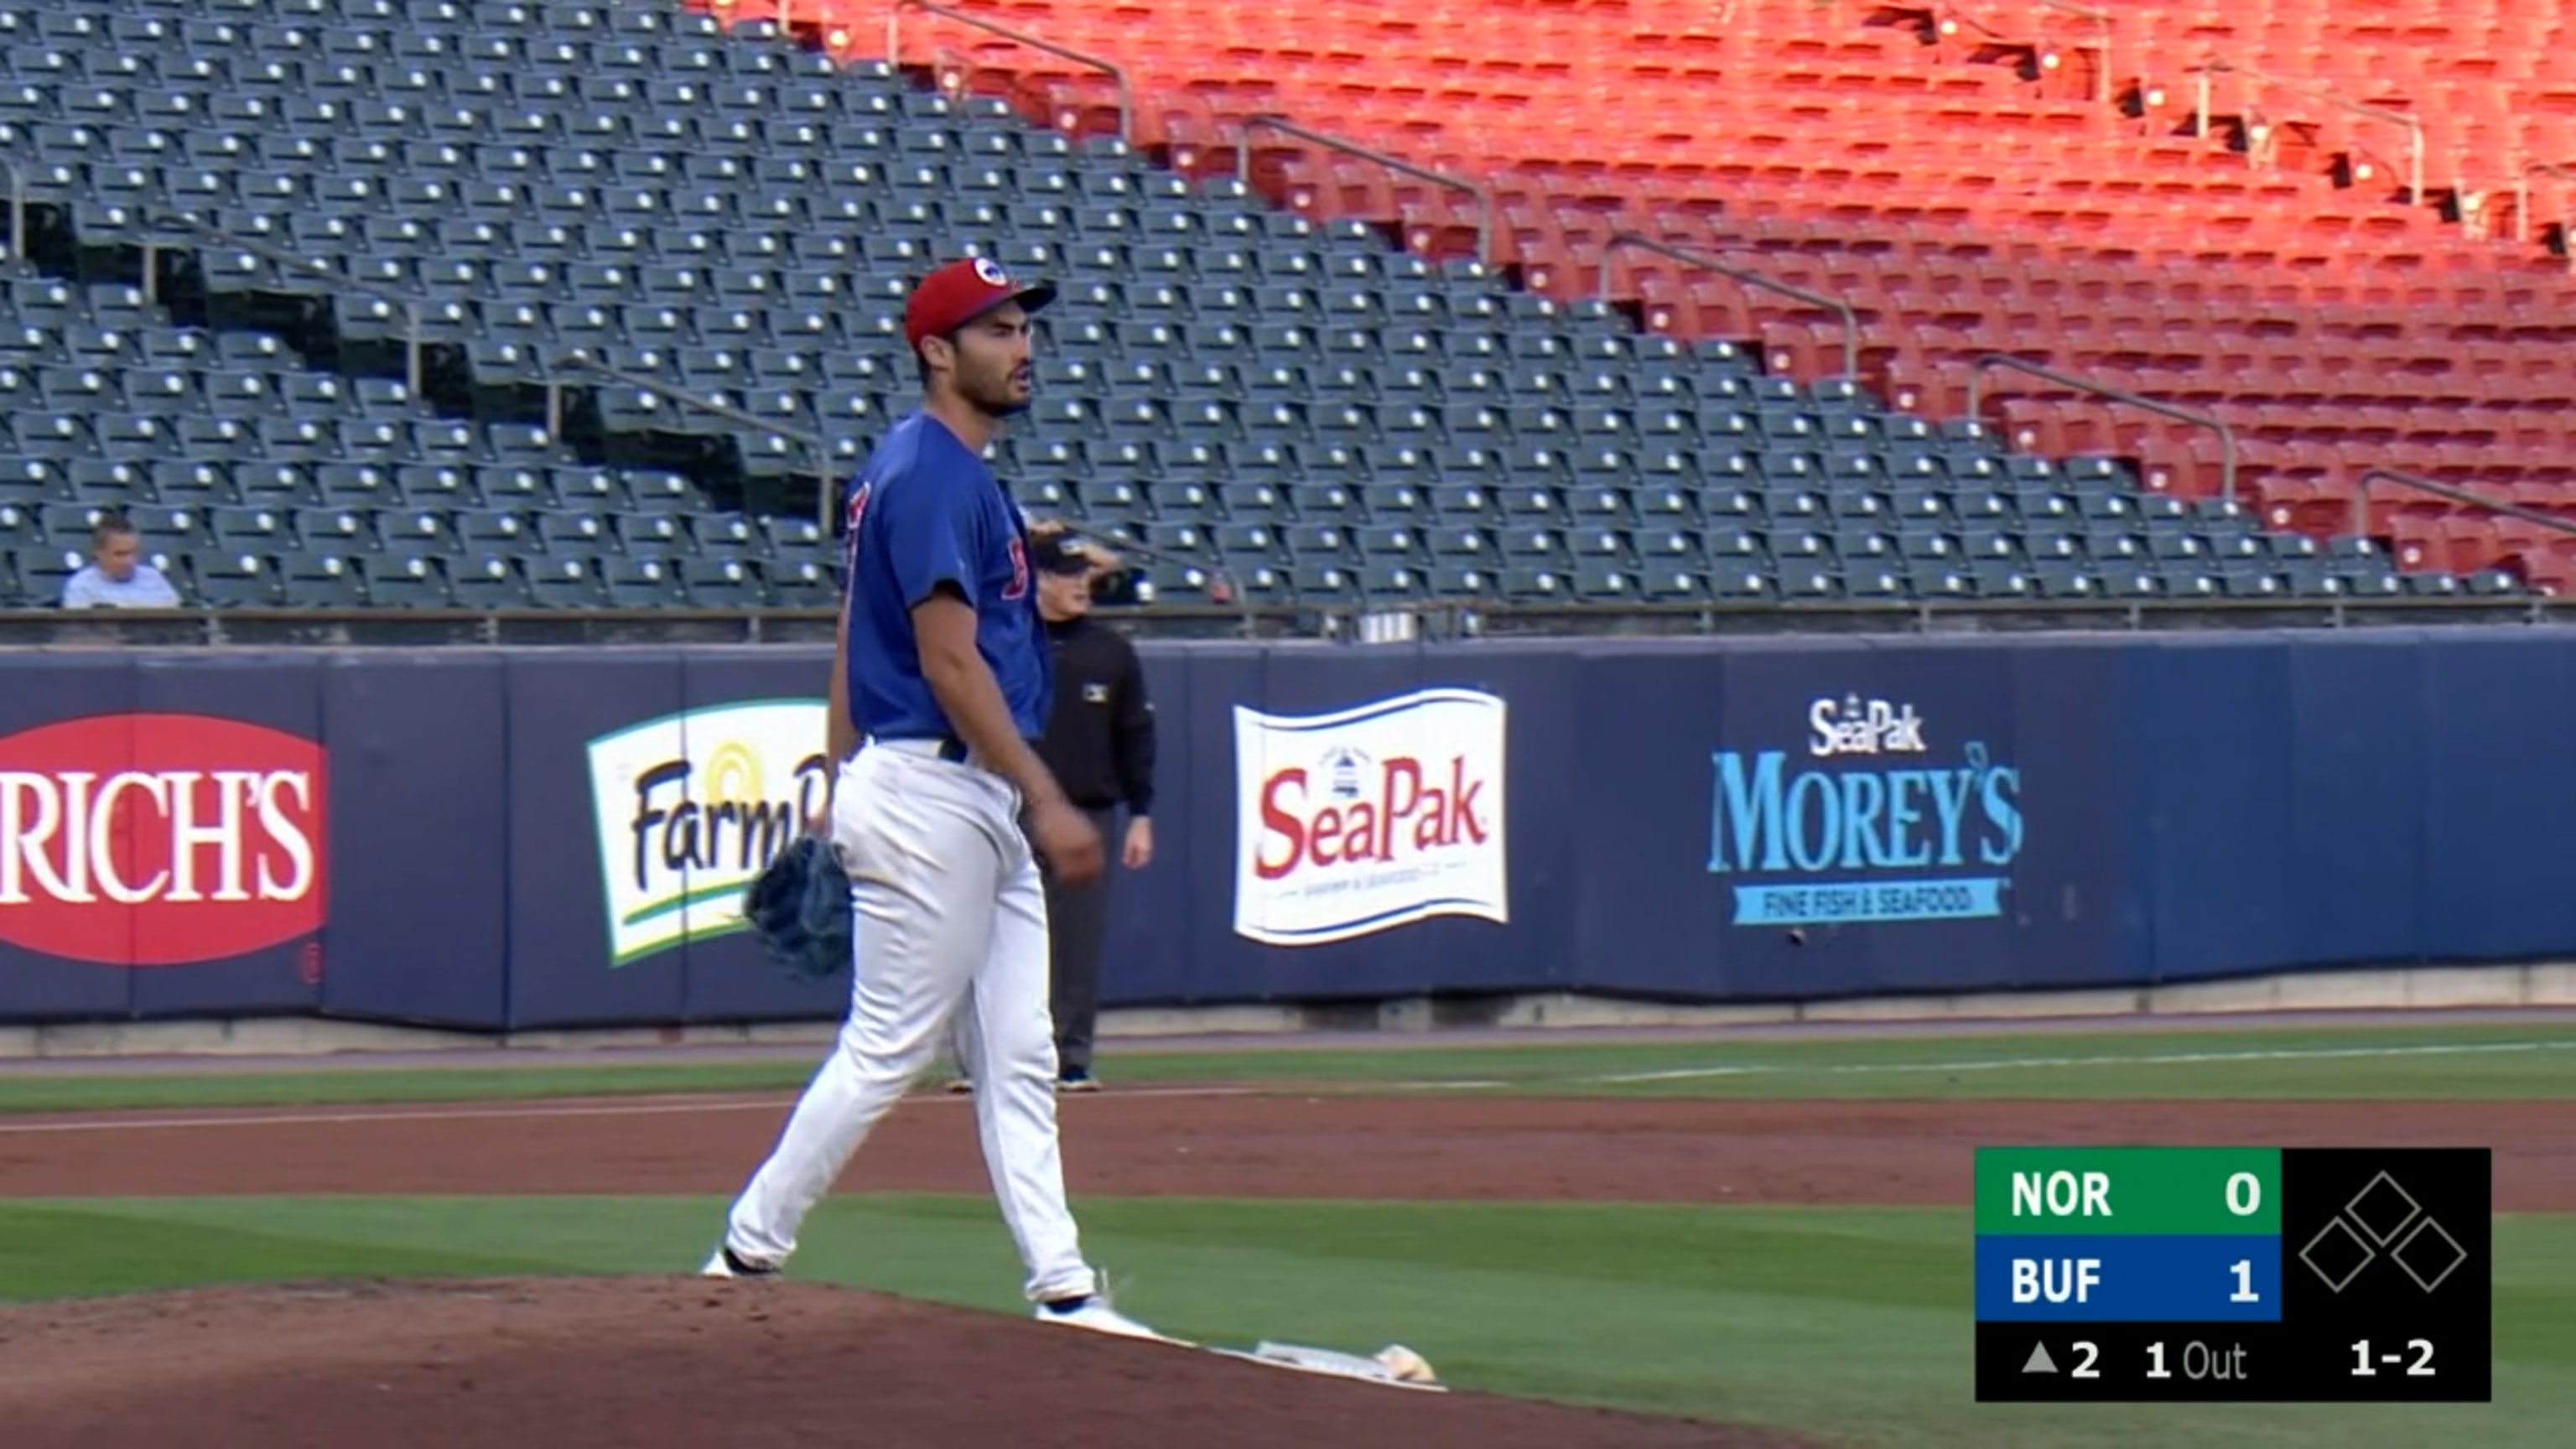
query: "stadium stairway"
1969, 176
1332, 419
256, 480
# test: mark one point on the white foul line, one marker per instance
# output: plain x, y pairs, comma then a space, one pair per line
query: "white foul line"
1989, 1064
254, 1117
251, 1117
1981, 1064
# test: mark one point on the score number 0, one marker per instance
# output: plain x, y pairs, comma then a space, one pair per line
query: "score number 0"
2244, 1198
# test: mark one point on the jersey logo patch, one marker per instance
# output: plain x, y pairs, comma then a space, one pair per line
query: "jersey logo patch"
1019, 588
850, 516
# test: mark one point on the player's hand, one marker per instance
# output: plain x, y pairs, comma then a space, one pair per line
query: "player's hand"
1068, 840
1139, 851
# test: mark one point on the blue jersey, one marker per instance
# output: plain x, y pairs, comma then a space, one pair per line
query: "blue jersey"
926, 511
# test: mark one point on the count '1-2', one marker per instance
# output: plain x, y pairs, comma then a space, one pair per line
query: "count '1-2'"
2365, 1365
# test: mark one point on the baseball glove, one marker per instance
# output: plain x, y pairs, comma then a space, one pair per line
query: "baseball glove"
799, 906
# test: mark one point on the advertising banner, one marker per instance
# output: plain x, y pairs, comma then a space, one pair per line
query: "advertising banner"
161, 839
1357, 820
1351, 845
1820, 818
169, 847
689, 807
1836, 800
559, 837
1866, 822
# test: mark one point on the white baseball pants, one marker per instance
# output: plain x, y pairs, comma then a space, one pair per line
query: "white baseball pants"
950, 920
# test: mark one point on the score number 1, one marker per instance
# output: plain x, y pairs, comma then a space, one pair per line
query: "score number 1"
2244, 1269
2422, 1368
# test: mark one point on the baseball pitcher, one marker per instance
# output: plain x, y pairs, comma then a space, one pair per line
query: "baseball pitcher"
942, 680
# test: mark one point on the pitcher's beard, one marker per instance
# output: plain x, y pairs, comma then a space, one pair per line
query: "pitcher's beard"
996, 399
1002, 407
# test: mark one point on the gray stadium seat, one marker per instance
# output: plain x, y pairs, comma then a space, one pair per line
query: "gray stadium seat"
728, 211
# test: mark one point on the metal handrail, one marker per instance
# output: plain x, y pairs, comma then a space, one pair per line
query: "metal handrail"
2102, 19
814, 443
17, 209
1851, 318
1116, 73
1946, 615
2522, 192
415, 361
2450, 491
2413, 124
819, 446
17, 179
2070, 7
2226, 434
1266, 121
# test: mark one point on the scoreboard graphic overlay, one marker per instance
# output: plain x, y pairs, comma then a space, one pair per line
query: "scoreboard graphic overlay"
2135, 1274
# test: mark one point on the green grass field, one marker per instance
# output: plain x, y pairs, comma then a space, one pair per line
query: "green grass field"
1846, 1322
2486, 1061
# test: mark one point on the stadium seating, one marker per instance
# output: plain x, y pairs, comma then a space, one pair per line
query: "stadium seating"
1332, 419
1964, 174
256, 480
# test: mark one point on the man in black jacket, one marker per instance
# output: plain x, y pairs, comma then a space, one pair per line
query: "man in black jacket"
1099, 744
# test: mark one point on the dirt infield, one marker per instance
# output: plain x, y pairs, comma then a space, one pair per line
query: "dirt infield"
637, 1363
1239, 1144
651, 1362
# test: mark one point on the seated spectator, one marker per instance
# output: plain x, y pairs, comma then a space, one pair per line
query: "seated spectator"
117, 577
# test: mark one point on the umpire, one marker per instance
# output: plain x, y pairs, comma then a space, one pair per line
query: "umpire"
1099, 744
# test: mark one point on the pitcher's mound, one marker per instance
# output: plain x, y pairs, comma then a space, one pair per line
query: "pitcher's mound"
641, 1362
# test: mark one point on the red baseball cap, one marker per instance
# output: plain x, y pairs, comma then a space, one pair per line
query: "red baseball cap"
962, 291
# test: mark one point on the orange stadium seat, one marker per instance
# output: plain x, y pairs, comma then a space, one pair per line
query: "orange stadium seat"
1950, 169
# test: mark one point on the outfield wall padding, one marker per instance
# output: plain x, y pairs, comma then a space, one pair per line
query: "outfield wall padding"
518, 838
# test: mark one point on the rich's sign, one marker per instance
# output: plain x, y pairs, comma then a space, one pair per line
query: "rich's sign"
159, 839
